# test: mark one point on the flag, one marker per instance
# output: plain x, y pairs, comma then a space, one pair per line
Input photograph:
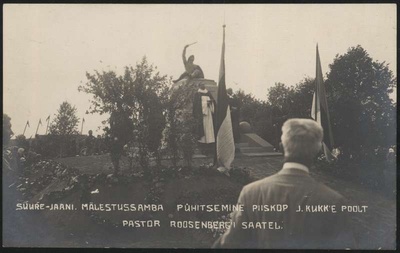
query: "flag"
48, 118
27, 123
225, 146
320, 112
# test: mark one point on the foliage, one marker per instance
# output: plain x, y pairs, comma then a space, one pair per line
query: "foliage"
65, 121
49, 146
137, 100
7, 132
283, 102
363, 115
181, 140
21, 141
280, 97
150, 90
287, 102
257, 113
39, 175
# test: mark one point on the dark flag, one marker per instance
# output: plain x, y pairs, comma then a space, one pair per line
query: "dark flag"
225, 146
320, 112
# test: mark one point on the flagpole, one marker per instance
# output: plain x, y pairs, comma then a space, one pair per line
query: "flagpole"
225, 145
37, 129
219, 77
319, 110
25, 127
48, 121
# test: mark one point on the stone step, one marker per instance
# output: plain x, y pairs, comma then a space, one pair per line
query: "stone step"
255, 149
256, 141
199, 156
241, 144
237, 155
262, 154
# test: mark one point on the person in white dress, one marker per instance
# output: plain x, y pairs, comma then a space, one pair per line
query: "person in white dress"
203, 111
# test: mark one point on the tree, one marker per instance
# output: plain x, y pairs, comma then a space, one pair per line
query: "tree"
65, 121
279, 96
302, 99
249, 105
363, 115
150, 92
21, 141
7, 132
285, 102
135, 101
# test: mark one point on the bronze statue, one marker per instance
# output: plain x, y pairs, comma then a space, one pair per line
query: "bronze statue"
191, 70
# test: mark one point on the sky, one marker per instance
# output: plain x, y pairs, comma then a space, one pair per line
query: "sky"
47, 49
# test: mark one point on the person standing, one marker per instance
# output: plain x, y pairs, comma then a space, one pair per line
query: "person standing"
121, 129
203, 112
89, 142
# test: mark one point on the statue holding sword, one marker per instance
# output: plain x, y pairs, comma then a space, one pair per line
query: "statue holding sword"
191, 70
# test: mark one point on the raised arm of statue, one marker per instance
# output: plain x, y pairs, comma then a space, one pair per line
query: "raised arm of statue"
184, 55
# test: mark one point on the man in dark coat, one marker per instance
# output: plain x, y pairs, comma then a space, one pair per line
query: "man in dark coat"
293, 226
121, 129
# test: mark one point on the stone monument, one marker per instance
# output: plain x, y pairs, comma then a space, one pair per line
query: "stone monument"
186, 86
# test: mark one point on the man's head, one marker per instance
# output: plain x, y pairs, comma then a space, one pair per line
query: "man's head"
191, 59
229, 91
301, 140
90, 132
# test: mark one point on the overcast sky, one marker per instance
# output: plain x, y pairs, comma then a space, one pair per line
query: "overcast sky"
48, 48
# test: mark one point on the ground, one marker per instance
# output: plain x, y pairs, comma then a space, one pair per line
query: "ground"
374, 229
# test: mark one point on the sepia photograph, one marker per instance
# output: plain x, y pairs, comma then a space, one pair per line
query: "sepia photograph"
254, 126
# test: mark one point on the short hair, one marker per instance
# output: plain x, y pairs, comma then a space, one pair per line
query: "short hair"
301, 138
192, 56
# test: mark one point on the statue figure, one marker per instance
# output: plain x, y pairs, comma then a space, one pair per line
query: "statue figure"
191, 70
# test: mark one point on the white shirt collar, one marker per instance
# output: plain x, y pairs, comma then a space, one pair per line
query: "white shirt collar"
292, 165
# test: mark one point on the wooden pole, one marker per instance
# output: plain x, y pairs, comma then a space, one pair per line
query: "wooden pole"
48, 122
27, 124
37, 129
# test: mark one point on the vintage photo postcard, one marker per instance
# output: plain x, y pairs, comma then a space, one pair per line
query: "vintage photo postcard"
258, 126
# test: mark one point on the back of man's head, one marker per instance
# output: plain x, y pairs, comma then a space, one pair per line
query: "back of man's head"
301, 139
